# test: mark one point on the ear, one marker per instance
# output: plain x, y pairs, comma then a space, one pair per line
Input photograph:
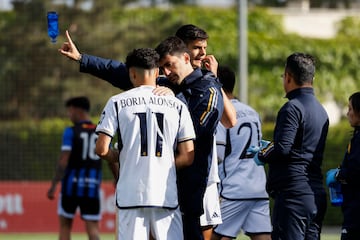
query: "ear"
187, 57
132, 73
288, 77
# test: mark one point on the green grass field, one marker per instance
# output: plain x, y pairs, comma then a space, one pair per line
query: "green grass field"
81, 236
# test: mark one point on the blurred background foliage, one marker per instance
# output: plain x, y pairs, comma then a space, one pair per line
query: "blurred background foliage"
35, 79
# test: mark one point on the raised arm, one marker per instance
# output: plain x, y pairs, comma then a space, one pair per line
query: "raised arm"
109, 70
228, 118
69, 49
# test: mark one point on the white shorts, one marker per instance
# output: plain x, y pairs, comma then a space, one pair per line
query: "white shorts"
212, 214
138, 223
251, 216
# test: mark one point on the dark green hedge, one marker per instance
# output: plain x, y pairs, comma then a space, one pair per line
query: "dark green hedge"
30, 149
43, 80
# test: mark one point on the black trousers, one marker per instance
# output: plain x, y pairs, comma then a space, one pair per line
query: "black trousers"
191, 227
292, 215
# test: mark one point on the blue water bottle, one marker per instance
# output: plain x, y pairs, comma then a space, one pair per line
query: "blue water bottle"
336, 197
53, 26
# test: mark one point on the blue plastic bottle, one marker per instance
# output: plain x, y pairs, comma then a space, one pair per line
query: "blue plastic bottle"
336, 197
53, 26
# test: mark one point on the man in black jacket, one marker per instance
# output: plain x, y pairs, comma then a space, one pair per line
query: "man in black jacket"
295, 155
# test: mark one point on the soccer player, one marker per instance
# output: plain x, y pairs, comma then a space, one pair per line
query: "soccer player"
244, 200
195, 39
201, 92
298, 146
79, 168
148, 127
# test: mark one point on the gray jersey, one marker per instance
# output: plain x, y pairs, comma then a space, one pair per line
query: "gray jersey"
240, 177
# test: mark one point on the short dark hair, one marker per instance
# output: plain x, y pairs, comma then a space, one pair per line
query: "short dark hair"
191, 32
145, 58
78, 102
302, 67
355, 101
171, 46
227, 78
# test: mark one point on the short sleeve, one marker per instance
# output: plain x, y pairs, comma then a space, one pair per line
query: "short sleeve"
67, 139
186, 128
108, 123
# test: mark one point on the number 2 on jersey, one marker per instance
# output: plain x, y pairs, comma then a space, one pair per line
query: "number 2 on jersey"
250, 127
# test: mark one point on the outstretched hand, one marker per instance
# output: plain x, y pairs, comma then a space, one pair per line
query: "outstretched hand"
69, 49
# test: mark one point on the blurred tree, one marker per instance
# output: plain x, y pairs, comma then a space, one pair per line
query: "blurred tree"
35, 79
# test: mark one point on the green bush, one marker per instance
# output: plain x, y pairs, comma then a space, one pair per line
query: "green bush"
31, 149
111, 32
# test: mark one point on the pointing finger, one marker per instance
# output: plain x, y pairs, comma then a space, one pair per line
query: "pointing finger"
68, 37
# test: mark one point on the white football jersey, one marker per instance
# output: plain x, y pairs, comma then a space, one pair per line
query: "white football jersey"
149, 127
240, 177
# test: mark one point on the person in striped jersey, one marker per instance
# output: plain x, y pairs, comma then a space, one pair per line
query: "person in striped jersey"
79, 170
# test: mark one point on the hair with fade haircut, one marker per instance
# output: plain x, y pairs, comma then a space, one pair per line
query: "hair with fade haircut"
227, 78
171, 46
302, 67
355, 102
145, 58
190, 32
78, 102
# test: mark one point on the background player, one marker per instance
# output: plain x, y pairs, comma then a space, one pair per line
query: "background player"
244, 200
79, 168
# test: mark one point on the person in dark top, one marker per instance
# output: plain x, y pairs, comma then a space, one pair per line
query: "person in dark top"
296, 153
201, 92
348, 175
79, 170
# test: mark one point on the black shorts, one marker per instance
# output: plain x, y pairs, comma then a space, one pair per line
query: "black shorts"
89, 207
